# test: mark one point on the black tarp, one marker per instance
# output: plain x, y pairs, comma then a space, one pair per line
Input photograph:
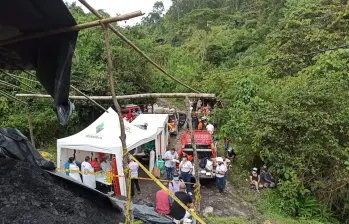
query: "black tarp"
50, 56
13, 144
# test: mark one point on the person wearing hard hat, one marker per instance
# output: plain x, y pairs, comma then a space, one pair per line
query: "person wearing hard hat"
255, 179
221, 169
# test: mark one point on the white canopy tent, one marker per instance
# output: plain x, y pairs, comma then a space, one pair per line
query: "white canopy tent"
103, 136
157, 124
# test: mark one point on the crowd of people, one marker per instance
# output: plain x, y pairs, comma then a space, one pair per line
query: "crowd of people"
202, 116
82, 172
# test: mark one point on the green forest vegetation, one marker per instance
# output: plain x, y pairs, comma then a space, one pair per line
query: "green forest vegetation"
285, 102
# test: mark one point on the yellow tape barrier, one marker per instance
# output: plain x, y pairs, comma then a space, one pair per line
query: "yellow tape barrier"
167, 190
105, 174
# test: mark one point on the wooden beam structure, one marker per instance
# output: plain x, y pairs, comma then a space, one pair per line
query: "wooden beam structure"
131, 44
135, 96
193, 144
72, 28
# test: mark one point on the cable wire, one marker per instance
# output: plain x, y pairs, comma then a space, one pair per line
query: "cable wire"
286, 59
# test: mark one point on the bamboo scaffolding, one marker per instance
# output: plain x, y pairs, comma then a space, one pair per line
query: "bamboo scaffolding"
72, 28
135, 96
130, 43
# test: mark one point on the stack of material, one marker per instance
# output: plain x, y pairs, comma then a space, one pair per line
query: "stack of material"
30, 195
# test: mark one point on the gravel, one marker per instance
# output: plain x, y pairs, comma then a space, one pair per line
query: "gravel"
30, 195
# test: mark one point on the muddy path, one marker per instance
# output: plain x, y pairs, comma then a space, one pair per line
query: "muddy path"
227, 204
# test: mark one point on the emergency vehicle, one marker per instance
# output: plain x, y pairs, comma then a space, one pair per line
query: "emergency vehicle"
206, 150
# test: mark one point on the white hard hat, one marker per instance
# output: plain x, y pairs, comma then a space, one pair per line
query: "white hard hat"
255, 169
219, 159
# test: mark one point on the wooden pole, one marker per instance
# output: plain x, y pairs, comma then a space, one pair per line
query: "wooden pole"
87, 97
118, 110
130, 43
72, 28
193, 144
135, 96
30, 126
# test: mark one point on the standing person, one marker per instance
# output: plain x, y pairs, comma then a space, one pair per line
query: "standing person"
177, 212
134, 174
169, 164
86, 168
210, 128
95, 165
230, 154
162, 201
150, 109
105, 165
227, 143
220, 174
200, 125
255, 179
174, 185
199, 104
195, 121
186, 168
74, 170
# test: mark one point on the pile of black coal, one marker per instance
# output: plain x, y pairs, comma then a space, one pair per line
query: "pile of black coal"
29, 194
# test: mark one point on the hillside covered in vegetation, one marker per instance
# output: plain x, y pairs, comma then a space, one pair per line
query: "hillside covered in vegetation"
279, 67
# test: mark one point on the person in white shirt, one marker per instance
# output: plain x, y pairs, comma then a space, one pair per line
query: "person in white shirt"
74, 170
169, 163
105, 165
210, 128
134, 174
186, 168
221, 169
86, 168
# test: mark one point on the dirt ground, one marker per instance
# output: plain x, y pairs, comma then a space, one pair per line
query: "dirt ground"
224, 205
228, 204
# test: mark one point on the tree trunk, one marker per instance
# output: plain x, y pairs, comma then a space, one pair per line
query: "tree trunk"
118, 110
195, 153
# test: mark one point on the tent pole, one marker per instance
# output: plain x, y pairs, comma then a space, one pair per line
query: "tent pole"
192, 140
72, 28
30, 126
129, 214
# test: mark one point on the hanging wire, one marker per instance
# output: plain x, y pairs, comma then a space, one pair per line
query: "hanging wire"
12, 97
16, 76
3, 83
286, 59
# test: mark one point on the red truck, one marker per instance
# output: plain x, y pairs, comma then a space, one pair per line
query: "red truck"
205, 148
127, 112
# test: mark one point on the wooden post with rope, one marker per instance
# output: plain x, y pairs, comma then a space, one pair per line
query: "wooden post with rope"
118, 109
195, 153
30, 126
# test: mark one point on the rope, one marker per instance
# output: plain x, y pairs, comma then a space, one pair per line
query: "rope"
108, 175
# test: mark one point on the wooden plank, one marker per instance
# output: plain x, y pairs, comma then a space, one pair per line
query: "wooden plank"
135, 96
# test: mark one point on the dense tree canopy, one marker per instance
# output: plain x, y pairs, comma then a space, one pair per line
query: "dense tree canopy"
292, 114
